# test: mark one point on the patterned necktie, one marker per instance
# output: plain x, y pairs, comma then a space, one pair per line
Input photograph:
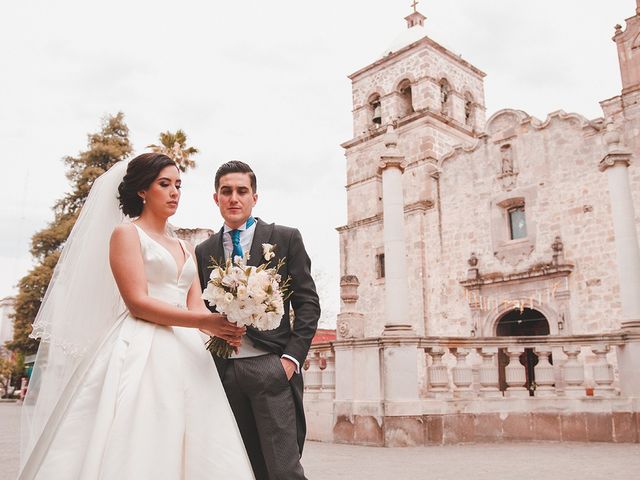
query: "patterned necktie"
235, 239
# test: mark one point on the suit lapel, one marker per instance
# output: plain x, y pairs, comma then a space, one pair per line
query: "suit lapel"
217, 251
261, 235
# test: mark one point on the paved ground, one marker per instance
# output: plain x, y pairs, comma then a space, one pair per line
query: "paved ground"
9, 440
522, 461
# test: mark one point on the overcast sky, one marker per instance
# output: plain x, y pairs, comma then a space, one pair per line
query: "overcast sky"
261, 81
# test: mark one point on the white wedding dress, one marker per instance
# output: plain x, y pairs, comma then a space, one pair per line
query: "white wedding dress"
148, 404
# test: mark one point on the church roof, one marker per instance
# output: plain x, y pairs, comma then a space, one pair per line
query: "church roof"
415, 32
406, 38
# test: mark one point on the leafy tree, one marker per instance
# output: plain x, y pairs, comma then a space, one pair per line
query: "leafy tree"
174, 145
105, 148
10, 370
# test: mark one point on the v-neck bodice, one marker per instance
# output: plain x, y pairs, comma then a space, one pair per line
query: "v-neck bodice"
164, 281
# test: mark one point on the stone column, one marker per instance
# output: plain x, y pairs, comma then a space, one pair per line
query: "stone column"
402, 406
456, 110
396, 284
616, 164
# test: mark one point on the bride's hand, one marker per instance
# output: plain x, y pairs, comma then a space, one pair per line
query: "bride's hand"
217, 325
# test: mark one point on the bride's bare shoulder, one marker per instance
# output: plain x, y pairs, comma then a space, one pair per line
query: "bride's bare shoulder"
124, 235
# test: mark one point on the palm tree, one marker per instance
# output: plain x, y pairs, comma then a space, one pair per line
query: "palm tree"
174, 145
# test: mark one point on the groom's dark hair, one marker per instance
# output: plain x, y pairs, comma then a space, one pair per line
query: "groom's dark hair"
236, 166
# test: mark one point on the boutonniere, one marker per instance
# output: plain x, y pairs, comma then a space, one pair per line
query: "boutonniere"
268, 251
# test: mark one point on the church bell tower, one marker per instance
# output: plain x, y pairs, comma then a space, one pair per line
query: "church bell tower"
414, 103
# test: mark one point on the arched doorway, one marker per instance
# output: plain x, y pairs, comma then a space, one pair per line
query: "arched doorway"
524, 322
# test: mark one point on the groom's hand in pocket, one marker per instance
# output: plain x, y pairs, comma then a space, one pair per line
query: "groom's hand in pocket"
289, 367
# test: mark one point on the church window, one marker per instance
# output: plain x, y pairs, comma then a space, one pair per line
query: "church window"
406, 99
375, 110
445, 94
513, 229
517, 222
468, 110
380, 265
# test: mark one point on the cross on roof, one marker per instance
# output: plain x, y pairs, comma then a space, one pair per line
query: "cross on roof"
414, 5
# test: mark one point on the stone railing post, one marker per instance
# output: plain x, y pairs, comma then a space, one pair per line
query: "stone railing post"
602, 372
573, 372
313, 376
545, 378
515, 374
489, 380
438, 376
328, 375
462, 374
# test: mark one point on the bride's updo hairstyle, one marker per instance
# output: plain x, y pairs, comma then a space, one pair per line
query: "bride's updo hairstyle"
141, 172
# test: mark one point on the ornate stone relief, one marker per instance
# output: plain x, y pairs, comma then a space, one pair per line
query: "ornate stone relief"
508, 174
542, 286
505, 122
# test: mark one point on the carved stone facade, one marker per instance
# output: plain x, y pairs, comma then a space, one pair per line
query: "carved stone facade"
462, 183
518, 313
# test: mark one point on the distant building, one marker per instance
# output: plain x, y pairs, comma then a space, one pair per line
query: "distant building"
6, 323
324, 335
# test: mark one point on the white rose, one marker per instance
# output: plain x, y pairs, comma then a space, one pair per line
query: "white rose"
228, 297
208, 293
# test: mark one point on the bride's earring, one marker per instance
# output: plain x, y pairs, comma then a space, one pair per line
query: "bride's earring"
144, 201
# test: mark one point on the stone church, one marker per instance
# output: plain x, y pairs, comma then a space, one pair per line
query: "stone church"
490, 262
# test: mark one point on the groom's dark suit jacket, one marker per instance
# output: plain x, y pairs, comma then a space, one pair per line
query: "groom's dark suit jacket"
295, 340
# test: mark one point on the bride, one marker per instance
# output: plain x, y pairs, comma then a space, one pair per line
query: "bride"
123, 387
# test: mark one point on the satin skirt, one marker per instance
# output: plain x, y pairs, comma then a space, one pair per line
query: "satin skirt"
149, 404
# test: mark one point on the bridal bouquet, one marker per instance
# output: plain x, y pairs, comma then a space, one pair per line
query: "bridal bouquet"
249, 296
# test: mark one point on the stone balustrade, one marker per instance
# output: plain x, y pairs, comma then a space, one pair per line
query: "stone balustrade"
544, 367
561, 388
319, 372
459, 368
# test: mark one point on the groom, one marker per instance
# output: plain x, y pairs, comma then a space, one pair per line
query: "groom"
263, 380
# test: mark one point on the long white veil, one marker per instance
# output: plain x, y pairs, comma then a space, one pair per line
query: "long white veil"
80, 306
